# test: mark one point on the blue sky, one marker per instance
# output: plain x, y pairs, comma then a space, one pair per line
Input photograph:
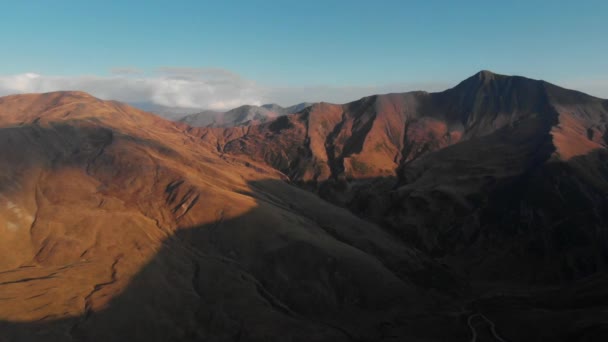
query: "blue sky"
288, 47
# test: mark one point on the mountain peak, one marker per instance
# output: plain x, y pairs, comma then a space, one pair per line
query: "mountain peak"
72, 93
485, 73
486, 76
61, 94
53, 107
271, 106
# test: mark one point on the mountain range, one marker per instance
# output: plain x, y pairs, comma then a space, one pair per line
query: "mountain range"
476, 213
241, 116
429, 166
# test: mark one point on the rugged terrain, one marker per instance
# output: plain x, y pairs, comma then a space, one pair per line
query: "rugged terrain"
504, 175
478, 213
118, 225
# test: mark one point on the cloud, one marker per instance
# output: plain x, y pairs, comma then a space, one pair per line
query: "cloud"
195, 88
181, 90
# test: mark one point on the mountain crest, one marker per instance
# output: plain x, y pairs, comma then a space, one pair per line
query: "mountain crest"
486, 75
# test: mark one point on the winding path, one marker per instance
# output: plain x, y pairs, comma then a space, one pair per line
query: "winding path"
488, 321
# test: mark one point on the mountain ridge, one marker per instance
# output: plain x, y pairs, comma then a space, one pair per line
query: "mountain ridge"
462, 121
486, 199
375, 156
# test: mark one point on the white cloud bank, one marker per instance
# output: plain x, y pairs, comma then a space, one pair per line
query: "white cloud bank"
169, 87
192, 88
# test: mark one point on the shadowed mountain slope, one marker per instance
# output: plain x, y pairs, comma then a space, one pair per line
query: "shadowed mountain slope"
488, 201
479, 172
118, 225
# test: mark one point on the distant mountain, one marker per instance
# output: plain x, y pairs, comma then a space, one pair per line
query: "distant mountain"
170, 113
241, 116
287, 110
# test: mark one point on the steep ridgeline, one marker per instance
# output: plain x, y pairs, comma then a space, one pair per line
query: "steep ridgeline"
241, 116
503, 175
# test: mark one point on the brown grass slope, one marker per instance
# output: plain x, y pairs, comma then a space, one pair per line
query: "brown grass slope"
118, 225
